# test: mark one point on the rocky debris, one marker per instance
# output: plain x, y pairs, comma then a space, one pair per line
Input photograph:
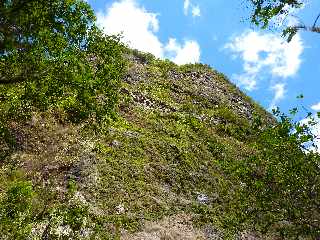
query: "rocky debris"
202, 198
248, 236
206, 87
85, 170
133, 77
218, 91
120, 209
115, 143
177, 227
180, 227
211, 233
139, 57
131, 134
147, 102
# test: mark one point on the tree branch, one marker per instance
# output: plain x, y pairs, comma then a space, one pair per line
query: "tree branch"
315, 22
306, 28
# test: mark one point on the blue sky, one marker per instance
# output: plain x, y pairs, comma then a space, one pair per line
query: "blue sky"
218, 33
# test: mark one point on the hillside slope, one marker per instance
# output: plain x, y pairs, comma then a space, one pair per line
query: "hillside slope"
158, 159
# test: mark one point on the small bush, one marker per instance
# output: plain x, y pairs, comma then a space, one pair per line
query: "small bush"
279, 184
16, 215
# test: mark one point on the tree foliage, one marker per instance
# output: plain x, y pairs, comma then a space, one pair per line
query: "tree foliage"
55, 25
53, 56
279, 184
264, 12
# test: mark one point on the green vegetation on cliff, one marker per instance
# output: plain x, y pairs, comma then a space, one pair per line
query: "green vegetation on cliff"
100, 139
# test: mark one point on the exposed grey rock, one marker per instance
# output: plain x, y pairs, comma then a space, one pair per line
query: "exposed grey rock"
115, 143
202, 198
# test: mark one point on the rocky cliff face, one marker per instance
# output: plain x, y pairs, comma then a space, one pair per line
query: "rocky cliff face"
196, 85
156, 159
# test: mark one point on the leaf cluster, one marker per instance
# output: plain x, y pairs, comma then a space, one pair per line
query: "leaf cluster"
279, 184
264, 12
52, 56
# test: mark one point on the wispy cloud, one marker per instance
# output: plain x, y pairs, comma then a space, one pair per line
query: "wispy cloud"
266, 56
316, 107
195, 9
186, 5
196, 12
189, 52
279, 92
139, 29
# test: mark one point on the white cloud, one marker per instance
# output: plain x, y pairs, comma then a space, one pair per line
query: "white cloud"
195, 9
196, 12
248, 81
137, 25
188, 53
139, 29
186, 5
265, 55
279, 92
316, 107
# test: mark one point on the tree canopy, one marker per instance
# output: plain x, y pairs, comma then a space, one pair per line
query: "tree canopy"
53, 56
51, 23
264, 12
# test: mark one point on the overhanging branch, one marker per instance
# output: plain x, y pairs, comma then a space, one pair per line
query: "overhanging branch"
315, 22
308, 28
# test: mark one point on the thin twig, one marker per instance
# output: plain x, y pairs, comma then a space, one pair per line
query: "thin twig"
315, 22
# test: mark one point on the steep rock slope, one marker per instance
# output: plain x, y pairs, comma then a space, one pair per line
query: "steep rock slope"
158, 158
